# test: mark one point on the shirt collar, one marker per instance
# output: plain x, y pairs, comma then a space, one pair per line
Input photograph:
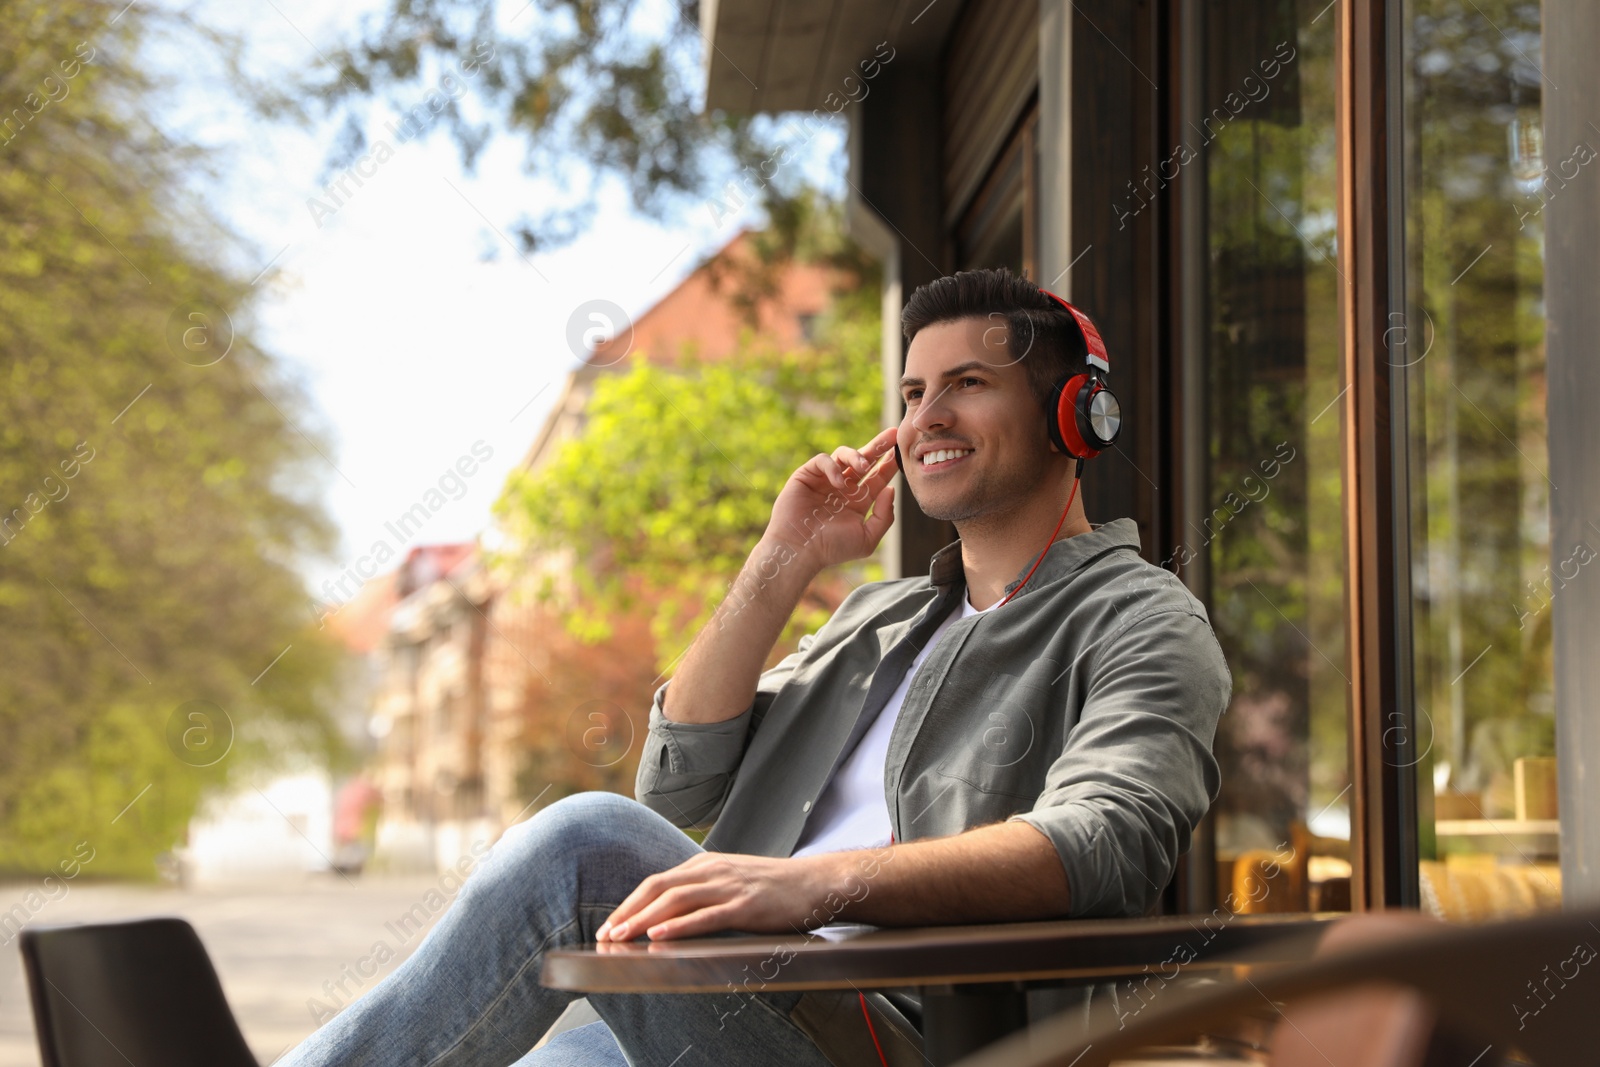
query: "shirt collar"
1061, 558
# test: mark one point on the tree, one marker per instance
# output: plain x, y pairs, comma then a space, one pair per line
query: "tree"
157, 491
671, 482
1480, 495
586, 82
1272, 536
652, 509
582, 717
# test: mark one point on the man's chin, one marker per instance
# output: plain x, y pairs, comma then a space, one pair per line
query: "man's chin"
947, 510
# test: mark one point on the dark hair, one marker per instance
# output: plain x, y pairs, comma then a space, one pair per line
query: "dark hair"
1039, 331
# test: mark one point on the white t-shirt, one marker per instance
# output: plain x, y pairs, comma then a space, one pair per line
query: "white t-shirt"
852, 811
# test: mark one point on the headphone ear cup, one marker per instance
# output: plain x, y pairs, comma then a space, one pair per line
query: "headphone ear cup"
1098, 416
1053, 422
1065, 426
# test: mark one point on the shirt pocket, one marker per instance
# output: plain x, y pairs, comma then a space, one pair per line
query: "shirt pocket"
999, 752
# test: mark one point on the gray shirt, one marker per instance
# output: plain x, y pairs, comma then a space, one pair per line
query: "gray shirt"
1085, 707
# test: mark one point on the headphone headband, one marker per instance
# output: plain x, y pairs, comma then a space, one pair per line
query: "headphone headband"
1094, 347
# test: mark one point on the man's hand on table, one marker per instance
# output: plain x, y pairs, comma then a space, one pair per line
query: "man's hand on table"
1003, 872
725, 891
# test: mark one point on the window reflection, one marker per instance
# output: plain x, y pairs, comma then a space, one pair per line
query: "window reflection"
1272, 529
1478, 174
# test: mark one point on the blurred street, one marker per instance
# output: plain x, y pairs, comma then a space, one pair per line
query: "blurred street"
273, 945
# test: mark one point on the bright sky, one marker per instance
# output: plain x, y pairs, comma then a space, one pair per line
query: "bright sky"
412, 345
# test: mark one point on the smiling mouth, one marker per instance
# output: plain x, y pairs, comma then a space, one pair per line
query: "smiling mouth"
944, 458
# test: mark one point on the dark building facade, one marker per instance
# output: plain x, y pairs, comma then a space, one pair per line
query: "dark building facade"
1344, 256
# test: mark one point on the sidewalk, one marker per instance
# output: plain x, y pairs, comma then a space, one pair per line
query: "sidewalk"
277, 947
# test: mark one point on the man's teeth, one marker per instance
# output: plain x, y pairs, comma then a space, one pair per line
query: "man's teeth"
943, 454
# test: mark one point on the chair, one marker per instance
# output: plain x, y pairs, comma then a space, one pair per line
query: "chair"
1386, 990
142, 992
1472, 890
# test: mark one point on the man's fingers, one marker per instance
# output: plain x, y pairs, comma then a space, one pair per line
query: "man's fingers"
884, 471
674, 902
704, 921
871, 475
830, 468
873, 452
648, 890
872, 482
848, 469
850, 457
854, 465
883, 442
620, 914
882, 516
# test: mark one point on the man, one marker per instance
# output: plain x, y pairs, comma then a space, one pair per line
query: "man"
930, 755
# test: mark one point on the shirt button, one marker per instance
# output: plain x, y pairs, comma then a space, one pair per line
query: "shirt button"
806, 806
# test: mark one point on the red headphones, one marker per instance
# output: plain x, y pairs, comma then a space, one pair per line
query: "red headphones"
1087, 416
1083, 422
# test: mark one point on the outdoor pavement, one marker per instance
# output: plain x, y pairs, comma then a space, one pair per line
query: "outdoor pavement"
274, 945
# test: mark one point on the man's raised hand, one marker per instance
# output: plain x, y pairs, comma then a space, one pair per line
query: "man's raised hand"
823, 510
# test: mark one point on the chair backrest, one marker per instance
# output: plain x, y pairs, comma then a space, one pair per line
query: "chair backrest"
142, 992
1373, 1025
1465, 991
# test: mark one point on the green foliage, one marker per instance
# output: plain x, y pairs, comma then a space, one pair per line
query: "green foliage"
150, 509
600, 82
1480, 493
1274, 539
672, 479
1472, 342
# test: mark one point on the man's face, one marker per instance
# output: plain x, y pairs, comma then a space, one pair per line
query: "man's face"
966, 391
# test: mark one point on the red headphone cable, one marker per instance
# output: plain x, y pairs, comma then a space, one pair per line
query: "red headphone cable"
871, 1030
1073, 495
1078, 474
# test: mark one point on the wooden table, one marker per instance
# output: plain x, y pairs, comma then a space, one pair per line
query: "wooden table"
973, 979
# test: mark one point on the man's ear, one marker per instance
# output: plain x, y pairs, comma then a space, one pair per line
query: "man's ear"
1050, 442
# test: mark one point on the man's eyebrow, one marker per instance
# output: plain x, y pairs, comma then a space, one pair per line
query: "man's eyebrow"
953, 372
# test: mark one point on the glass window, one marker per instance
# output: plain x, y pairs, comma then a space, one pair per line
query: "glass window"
1270, 530
993, 231
1471, 342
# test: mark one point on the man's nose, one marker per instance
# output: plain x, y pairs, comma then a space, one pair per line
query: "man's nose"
932, 413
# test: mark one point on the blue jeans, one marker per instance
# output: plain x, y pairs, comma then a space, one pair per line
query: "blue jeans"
470, 994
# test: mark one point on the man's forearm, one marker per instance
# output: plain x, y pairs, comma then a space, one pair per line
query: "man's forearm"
719, 674
1005, 872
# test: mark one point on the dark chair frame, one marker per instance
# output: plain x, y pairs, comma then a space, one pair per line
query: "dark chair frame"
1473, 977
142, 991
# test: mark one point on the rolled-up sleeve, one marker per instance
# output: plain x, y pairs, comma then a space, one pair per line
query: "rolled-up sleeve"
687, 768
1137, 773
